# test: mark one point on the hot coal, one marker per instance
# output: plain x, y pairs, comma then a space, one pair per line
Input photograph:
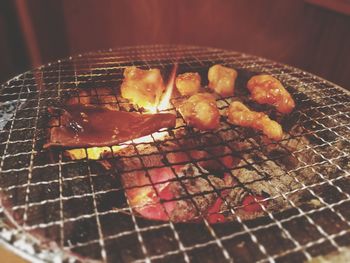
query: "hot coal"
175, 185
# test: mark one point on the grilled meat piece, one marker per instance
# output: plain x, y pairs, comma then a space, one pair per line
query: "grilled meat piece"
222, 80
266, 89
142, 87
200, 111
239, 114
188, 83
90, 126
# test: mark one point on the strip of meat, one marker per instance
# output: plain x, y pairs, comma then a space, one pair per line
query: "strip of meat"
239, 114
90, 126
266, 89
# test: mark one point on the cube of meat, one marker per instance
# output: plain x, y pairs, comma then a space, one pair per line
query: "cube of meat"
200, 111
239, 114
266, 89
142, 87
222, 80
188, 83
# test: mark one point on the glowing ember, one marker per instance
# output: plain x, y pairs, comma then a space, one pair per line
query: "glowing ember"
145, 198
95, 153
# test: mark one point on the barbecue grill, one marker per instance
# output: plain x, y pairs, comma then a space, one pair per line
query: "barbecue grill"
57, 208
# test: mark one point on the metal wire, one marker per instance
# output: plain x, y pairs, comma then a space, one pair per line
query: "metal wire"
85, 210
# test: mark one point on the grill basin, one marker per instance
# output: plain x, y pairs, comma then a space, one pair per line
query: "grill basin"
54, 206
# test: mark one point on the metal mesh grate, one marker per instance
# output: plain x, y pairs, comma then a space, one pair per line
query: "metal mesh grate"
82, 209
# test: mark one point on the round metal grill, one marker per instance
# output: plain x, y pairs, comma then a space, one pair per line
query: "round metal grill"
57, 207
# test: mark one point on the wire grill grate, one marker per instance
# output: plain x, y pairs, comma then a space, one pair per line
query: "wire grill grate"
79, 207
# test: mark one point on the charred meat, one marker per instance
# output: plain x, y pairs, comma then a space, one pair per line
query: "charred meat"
90, 126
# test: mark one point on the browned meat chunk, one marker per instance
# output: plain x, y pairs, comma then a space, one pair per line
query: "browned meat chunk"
200, 111
222, 80
142, 87
266, 89
188, 83
90, 126
239, 114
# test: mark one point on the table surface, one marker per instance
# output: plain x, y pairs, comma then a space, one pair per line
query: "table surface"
7, 256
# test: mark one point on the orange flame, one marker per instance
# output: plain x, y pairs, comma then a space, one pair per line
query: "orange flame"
165, 100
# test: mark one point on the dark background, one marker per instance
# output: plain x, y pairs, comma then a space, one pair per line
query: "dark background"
294, 32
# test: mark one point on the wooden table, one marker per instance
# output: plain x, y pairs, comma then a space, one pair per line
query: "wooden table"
8, 256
